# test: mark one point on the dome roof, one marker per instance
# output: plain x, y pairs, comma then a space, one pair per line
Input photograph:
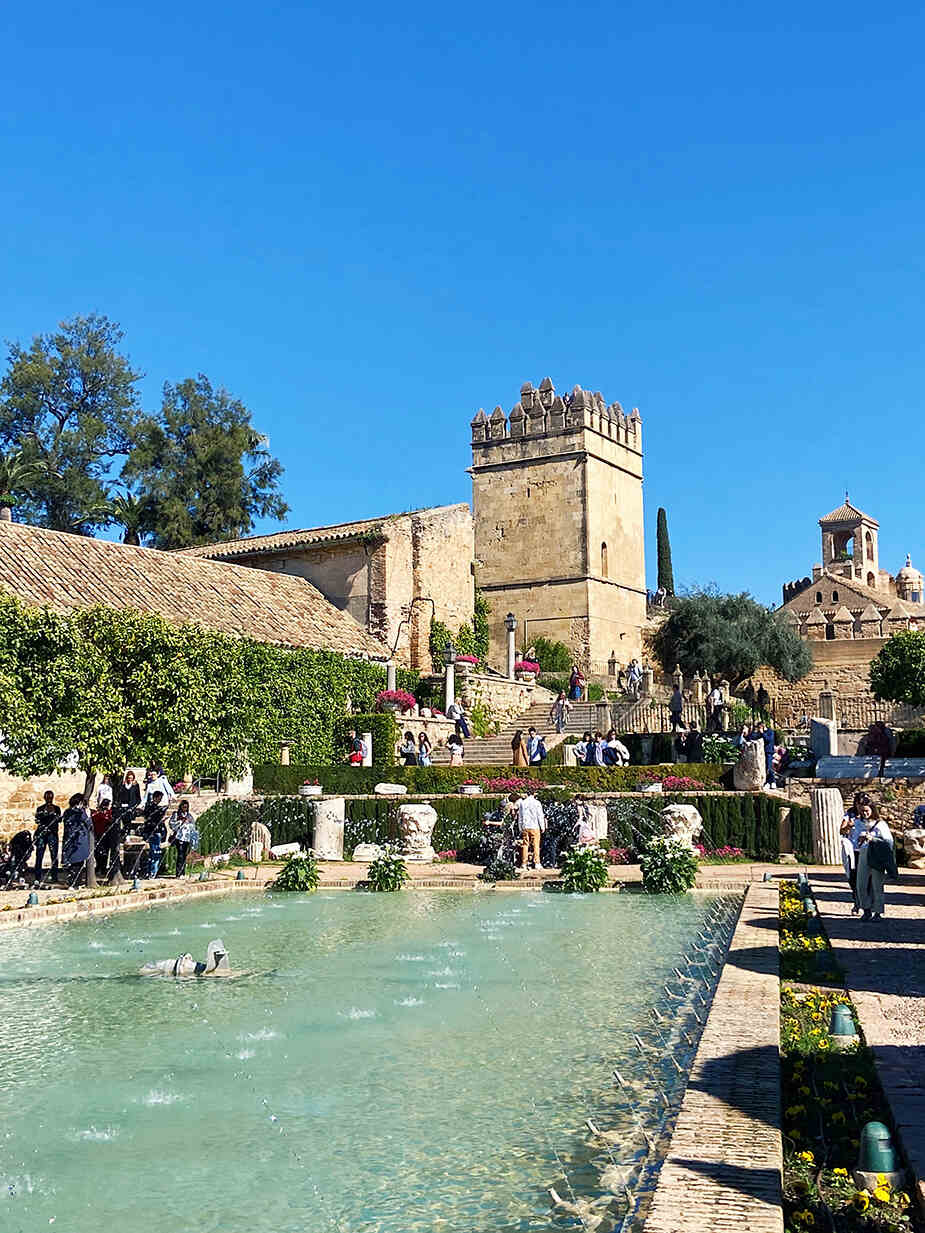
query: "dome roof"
909, 572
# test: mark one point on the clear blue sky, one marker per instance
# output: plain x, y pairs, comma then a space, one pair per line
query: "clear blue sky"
367, 221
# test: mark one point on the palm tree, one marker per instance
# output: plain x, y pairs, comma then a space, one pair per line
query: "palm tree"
129, 512
18, 473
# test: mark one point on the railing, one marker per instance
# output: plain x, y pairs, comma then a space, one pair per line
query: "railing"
851, 714
650, 715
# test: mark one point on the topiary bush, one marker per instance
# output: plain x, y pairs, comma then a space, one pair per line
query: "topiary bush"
382, 727
584, 871
387, 873
300, 873
668, 866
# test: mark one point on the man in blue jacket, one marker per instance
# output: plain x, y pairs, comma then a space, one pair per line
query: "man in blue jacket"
769, 738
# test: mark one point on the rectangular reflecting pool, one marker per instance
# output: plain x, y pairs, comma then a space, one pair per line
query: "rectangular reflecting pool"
381, 1064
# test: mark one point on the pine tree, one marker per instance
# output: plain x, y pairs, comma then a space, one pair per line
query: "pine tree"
665, 572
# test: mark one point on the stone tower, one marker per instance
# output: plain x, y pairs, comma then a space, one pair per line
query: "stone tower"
849, 545
557, 501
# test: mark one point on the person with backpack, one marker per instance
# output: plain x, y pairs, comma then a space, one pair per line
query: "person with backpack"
536, 748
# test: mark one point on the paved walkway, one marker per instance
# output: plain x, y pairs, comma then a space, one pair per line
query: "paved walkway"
723, 1168
884, 965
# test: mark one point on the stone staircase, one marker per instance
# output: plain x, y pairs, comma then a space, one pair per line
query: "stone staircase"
496, 750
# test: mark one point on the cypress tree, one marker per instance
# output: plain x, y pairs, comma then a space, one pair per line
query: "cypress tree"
663, 545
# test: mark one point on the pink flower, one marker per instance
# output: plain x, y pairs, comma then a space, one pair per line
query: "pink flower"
467, 659
526, 665
406, 701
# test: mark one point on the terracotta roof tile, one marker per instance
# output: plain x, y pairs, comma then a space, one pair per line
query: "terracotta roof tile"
848, 513
65, 572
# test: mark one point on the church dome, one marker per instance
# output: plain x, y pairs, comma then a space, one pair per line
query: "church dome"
909, 573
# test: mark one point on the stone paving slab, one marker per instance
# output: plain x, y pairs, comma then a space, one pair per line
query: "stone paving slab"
884, 966
724, 1165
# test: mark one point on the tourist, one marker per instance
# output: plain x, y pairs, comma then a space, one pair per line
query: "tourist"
693, 744
743, 736
356, 748
576, 684
157, 783
457, 712
424, 749
519, 749
768, 738
536, 748
104, 793
763, 699
128, 796
849, 860
457, 750
20, 852
675, 708
596, 753
581, 749
101, 818
183, 835
408, 750
558, 715
615, 752
876, 861
531, 823
715, 707
77, 831
47, 820
634, 678
154, 830
879, 744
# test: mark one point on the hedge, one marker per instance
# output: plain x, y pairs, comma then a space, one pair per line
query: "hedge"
662, 749
750, 822
273, 779
911, 744
383, 729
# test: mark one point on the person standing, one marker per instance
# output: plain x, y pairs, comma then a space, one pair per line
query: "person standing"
558, 715
879, 743
536, 748
457, 712
581, 749
157, 783
531, 822
849, 860
519, 755
154, 830
715, 704
876, 862
184, 835
675, 708
128, 795
615, 752
597, 751
47, 821
424, 749
408, 750
576, 684
102, 828
104, 792
456, 749
693, 744
634, 678
77, 838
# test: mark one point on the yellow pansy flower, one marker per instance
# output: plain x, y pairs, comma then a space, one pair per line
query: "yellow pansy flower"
861, 1200
808, 1157
840, 1172
882, 1194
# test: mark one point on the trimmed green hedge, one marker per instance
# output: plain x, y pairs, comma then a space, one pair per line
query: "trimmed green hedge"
750, 822
272, 779
801, 832
381, 726
911, 744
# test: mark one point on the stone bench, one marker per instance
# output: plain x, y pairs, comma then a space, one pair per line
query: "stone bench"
904, 768
848, 768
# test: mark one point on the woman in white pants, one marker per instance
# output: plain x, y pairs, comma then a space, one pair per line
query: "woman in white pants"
876, 861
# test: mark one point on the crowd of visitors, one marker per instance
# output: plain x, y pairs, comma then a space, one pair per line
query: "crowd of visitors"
521, 831
124, 829
868, 856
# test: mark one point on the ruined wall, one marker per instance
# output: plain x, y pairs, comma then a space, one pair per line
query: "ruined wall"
443, 544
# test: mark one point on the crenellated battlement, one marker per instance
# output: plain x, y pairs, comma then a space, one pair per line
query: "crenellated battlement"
542, 412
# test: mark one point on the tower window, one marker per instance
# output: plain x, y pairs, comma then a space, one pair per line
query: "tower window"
834, 597
818, 597
603, 560
871, 580
830, 632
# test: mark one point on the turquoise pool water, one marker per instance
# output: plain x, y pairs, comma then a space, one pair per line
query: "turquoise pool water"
392, 1063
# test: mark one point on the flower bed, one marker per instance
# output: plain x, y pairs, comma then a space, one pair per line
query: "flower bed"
827, 1095
675, 783
725, 855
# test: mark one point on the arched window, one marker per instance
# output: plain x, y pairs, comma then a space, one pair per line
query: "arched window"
834, 597
818, 597
871, 580
603, 560
869, 545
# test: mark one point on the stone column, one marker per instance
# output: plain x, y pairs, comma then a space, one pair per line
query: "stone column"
785, 831
284, 753
368, 742
416, 826
449, 686
648, 679
390, 675
828, 810
328, 832
241, 787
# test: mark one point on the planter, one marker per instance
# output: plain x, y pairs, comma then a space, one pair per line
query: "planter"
470, 789
394, 707
311, 789
526, 678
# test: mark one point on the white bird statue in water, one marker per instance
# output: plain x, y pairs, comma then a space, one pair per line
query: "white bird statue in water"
185, 965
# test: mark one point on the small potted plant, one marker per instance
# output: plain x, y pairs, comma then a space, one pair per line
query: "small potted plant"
466, 664
310, 787
397, 700
526, 670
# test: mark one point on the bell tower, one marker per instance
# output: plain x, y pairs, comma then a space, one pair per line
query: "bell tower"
849, 544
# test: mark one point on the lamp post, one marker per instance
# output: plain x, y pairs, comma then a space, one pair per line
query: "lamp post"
449, 681
510, 624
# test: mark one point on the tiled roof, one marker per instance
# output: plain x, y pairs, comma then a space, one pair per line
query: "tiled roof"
73, 572
279, 541
848, 513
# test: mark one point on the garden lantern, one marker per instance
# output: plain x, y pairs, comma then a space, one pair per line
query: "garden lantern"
510, 624
875, 1152
841, 1026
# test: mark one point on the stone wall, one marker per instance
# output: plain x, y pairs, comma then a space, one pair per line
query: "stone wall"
895, 799
19, 798
504, 700
557, 501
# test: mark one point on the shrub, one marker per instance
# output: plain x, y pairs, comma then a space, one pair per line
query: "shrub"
911, 744
225, 825
669, 867
381, 726
559, 684
718, 749
499, 870
552, 656
388, 873
584, 871
300, 873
